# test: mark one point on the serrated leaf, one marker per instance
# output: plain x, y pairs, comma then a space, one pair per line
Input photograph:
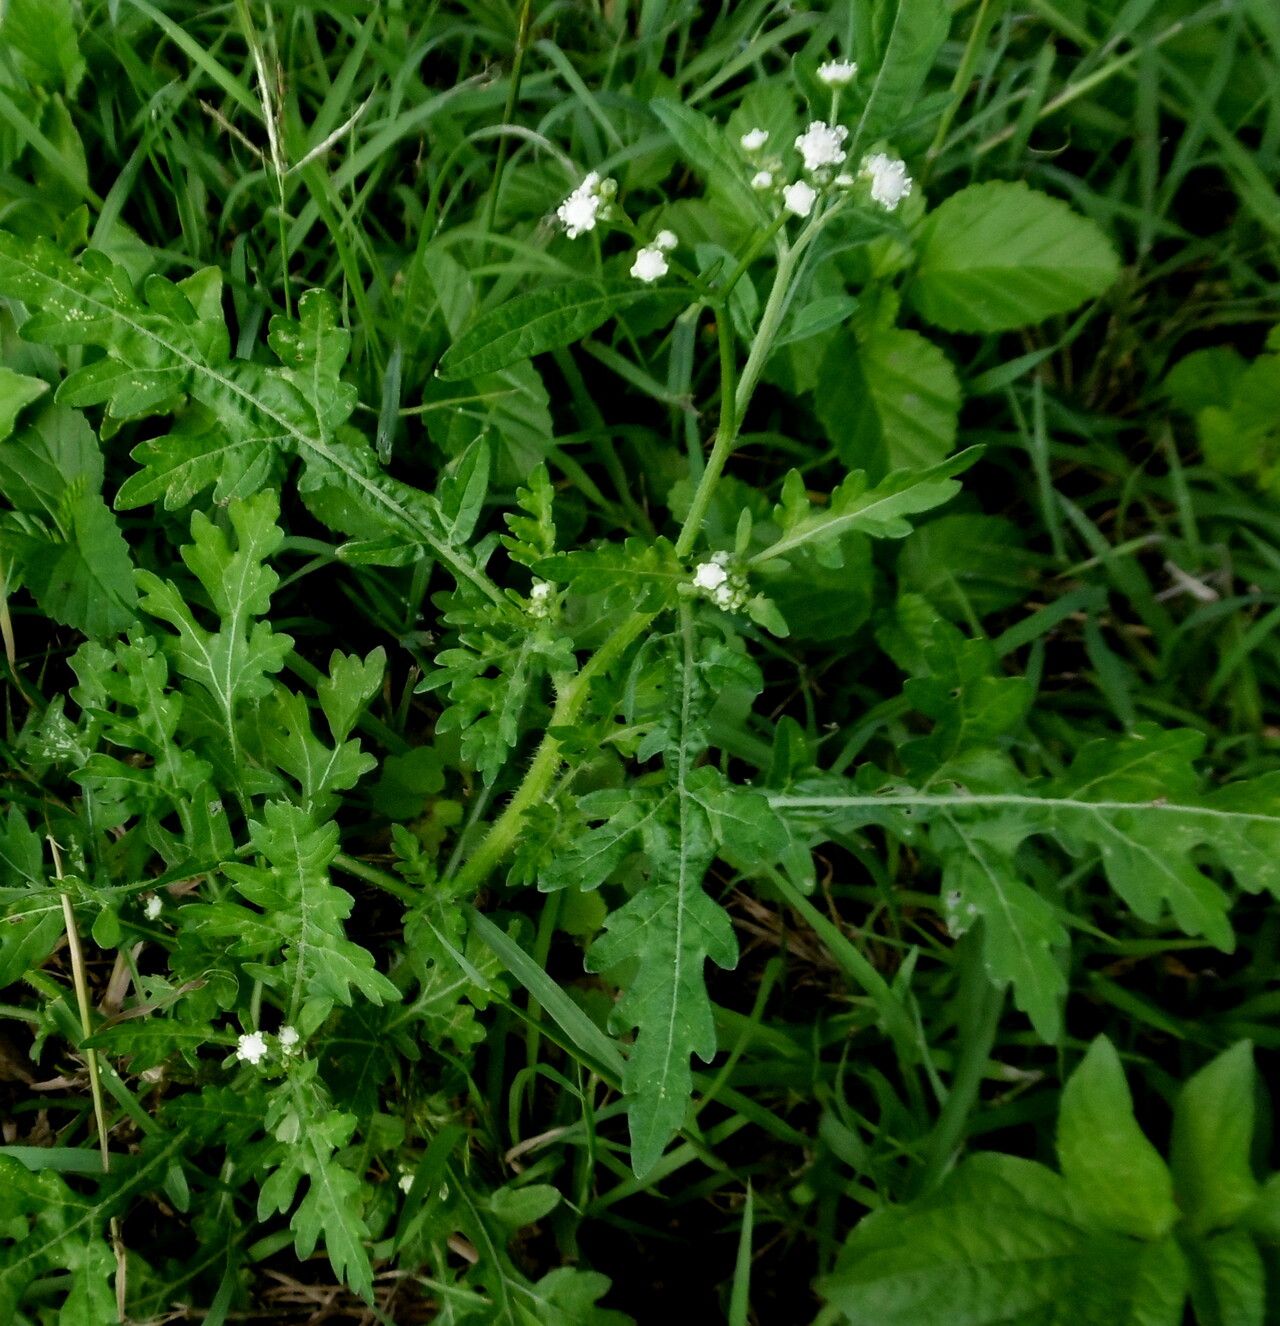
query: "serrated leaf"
533, 533
638, 574
669, 929
82, 576
233, 664
320, 771
51, 1230
311, 1131
999, 255
16, 393
352, 682
1136, 801
1022, 933
73, 557
55, 451
198, 453
591, 857
879, 510
31, 921
301, 912
261, 412
313, 350
535, 322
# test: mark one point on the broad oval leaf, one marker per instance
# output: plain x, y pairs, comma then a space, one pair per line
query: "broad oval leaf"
1212, 1138
888, 403
999, 255
1003, 1243
1106, 1158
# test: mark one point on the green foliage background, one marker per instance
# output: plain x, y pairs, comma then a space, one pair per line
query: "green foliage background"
423, 897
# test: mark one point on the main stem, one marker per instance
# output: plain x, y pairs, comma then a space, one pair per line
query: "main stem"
734, 401
572, 694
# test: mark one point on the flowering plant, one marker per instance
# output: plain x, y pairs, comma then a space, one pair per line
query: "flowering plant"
518, 692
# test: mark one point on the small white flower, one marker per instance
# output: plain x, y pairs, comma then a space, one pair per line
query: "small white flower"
720, 582
843, 181
251, 1047
153, 906
540, 599
582, 208
821, 145
837, 73
650, 264
665, 240
890, 183
762, 179
289, 1038
799, 198
709, 576
405, 1182
755, 140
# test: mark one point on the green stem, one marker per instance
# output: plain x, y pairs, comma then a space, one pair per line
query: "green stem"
573, 694
80, 980
508, 111
981, 1004
893, 1014
1074, 91
974, 46
754, 250
734, 401
392, 884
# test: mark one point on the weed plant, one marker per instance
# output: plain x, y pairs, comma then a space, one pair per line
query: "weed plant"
640, 658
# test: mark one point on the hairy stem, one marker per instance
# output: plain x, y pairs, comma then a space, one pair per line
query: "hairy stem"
546, 760
981, 1005
734, 400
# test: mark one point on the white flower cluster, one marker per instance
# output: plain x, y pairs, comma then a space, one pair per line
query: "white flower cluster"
799, 198
651, 261
152, 906
837, 73
823, 152
252, 1047
753, 143
822, 145
540, 599
890, 183
587, 205
719, 581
